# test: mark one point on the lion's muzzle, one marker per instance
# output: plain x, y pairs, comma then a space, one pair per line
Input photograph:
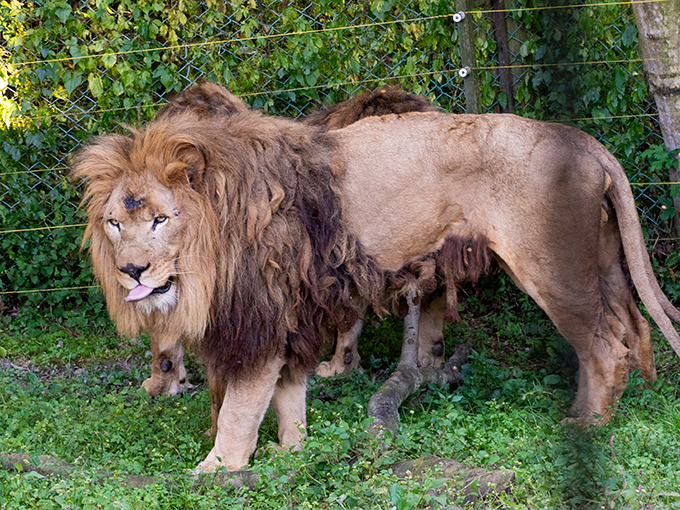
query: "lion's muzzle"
134, 271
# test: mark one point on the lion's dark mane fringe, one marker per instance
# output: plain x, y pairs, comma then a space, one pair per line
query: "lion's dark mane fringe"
203, 100
460, 259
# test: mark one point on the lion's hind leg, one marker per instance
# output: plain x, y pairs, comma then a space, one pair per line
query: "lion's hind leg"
636, 332
243, 408
603, 374
618, 297
572, 298
597, 338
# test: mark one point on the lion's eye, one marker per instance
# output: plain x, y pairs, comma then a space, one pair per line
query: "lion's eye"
114, 223
158, 220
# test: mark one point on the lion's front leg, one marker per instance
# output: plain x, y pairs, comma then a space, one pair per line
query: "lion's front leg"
431, 333
245, 402
168, 374
290, 405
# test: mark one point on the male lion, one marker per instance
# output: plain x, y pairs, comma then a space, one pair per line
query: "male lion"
249, 233
168, 374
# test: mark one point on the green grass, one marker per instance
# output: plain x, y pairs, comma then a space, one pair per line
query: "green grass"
77, 397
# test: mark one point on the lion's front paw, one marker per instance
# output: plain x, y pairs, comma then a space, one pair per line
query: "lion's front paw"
329, 369
185, 386
153, 387
180, 388
428, 359
210, 466
156, 386
207, 466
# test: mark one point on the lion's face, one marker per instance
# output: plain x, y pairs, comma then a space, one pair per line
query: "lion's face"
146, 228
152, 232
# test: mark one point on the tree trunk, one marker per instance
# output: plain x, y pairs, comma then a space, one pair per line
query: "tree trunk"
659, 40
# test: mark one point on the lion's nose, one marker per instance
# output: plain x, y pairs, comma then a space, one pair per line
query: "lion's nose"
134, 271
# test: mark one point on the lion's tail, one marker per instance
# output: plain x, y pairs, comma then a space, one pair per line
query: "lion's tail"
656, 302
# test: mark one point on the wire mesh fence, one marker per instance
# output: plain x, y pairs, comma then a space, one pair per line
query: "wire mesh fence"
69, 71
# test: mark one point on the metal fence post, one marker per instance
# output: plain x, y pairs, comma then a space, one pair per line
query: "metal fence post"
468, 58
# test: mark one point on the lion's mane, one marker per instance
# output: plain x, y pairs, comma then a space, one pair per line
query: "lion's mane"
269, 266
381, 101
204, 100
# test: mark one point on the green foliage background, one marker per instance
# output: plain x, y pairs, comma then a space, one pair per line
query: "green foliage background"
72, 70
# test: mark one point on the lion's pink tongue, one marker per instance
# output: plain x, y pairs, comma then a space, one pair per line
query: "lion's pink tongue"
139, 292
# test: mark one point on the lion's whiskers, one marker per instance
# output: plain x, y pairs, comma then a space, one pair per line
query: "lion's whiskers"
180, 273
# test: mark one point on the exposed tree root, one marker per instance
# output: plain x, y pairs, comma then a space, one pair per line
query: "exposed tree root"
408, 377
51, 466
469, 483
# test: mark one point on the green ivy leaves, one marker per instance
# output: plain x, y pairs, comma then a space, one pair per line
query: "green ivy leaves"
109, 63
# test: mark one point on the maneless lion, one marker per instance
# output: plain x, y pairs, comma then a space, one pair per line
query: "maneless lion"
249, 234
436, 307
205, 100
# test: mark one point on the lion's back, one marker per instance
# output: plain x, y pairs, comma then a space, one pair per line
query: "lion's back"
460, 174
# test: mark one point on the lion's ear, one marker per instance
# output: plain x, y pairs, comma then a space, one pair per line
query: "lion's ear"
190, 168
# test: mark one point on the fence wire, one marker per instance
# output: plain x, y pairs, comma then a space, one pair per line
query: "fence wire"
71, 71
